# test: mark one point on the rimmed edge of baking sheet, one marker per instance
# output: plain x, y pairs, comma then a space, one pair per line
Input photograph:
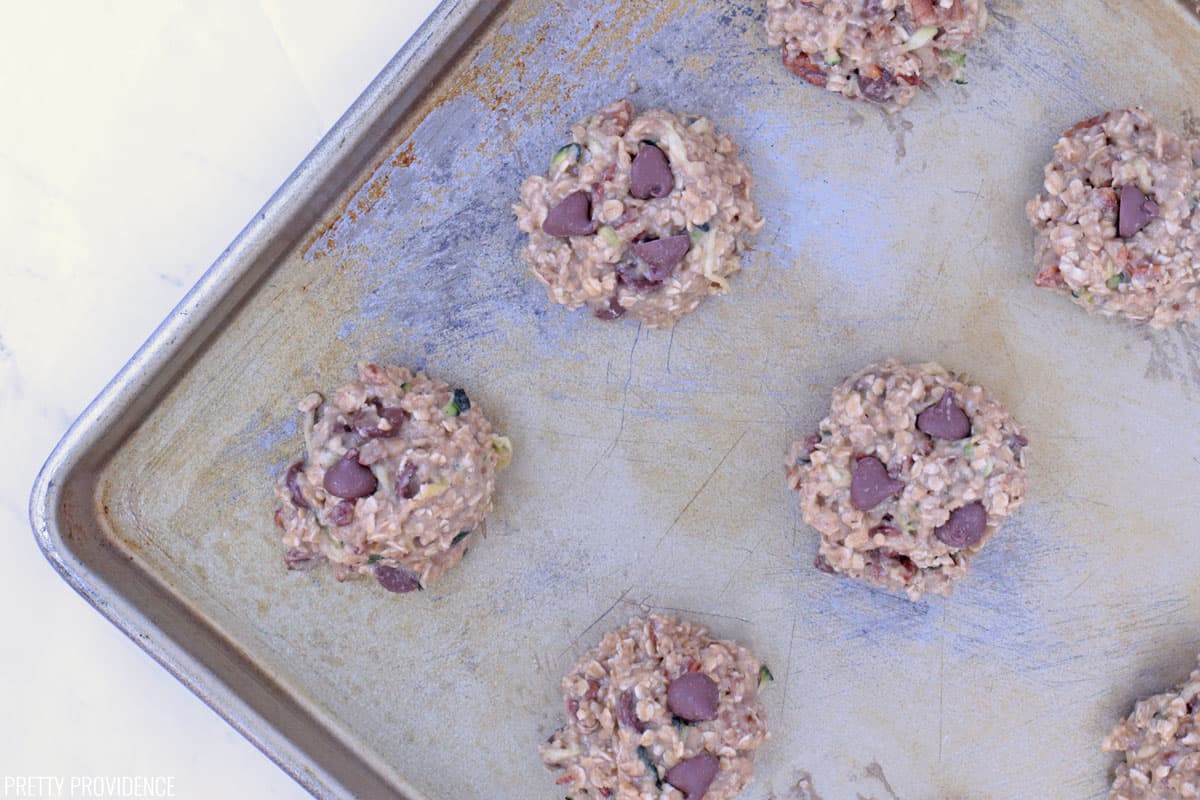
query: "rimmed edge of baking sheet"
62, 499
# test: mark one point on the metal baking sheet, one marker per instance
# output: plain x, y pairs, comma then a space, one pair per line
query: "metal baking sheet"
648, 469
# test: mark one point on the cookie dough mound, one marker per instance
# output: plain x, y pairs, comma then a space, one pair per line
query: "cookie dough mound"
875, 50
911, 473
399, 471
1118, 223
644, 215
659, 711
1161, 744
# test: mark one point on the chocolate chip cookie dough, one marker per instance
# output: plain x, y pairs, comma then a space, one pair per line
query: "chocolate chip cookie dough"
1118, 221
1160, 742
399, 473
659, 711
642, 215
876, 50
911, 473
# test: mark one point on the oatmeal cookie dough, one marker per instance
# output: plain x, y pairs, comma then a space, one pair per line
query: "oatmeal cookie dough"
659, 711
911, 473
642, 215
1118, 221
1160, 742
876, 50
398, 473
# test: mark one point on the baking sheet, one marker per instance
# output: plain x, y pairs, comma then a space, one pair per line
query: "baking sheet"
649, 464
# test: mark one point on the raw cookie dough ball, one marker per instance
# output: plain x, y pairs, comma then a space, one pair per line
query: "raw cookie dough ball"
399, 471
876, 50
1118, 225
659, 711
1161, 744
644, 215
911, 473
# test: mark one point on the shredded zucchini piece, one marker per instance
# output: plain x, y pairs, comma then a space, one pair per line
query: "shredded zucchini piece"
567, 154
431, 490
610, 236
504, 451
920, 38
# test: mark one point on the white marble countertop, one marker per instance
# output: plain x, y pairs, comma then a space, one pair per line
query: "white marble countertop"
138, 137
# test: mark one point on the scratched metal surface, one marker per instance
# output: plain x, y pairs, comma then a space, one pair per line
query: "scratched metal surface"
648, 468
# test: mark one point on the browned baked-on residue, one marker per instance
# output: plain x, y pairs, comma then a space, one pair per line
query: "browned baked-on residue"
405, 157
496, 69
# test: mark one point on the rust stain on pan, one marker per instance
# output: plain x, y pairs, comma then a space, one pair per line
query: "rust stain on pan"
404, 157
495, 70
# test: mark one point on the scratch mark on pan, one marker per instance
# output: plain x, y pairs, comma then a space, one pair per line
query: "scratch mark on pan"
942, 687
693, 612
697, 493
749, 554
595, 622
670, 347
624, 404
1078, 586
788, 671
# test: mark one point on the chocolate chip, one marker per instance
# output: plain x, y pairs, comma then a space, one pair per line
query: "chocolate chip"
612, 310
627, 711
571, 217
397, 579
293, 484
693, 776
877, 90
379, 421
944, 419
870, 483
965, 527
342, 513
407, 485
693, 696
631, 275
650, 173
822, 565
663, 254
297, 559
349, 479
1136, 211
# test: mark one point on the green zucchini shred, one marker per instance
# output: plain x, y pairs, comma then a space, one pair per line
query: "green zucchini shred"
459, 404
459, 538
1116, 280
644, 755
764, 675
609, 236
570, 151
